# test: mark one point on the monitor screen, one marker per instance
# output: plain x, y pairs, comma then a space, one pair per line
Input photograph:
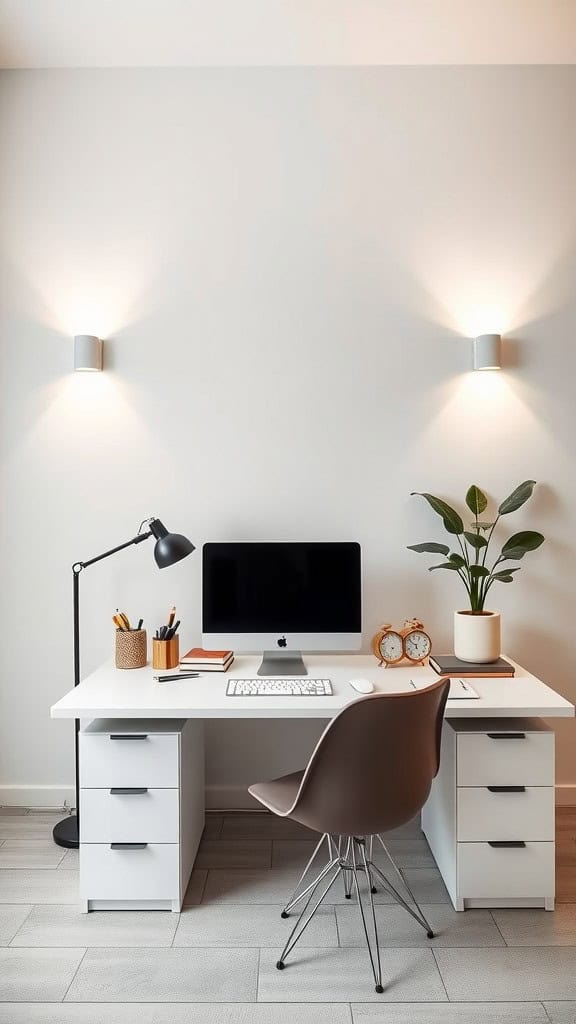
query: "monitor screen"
292, 588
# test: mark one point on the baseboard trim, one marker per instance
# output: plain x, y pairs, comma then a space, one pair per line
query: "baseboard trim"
566, 794
37, 796
217, 797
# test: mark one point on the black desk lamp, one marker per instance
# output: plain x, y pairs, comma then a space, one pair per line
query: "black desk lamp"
169, 548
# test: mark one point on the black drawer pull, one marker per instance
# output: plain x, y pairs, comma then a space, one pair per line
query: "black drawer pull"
128, 736
507, 844
506, 789
506, 735
128, 846
119, 791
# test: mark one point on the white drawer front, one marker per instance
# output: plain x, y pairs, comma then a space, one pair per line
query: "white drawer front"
130, 760
499, 758
110, 817
486, 872
482, 814
148, 874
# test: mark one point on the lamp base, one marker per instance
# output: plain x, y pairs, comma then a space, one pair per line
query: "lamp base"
65, 833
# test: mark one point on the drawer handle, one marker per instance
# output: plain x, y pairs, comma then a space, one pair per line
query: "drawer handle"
507, 844
128, 736
506, 735
128, 846
119, 791
506, 789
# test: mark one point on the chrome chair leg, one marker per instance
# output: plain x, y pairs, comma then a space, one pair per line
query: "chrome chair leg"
298, 896
418, 916
346, 871
305, 915
374, 956
373, 888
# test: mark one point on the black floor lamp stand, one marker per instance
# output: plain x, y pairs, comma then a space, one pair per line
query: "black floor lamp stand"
169, 548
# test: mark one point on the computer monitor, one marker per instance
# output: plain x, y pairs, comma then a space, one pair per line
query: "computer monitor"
282, 599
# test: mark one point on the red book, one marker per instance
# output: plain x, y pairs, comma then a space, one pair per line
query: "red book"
198, 655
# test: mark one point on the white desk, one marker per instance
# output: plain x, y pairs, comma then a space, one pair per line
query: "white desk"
112, 693
152, 869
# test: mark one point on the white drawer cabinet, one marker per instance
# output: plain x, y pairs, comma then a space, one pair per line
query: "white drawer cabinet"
505, 812
489, 819
130, 815
141, 812
130, 871
505, 757
491, 871
128, 758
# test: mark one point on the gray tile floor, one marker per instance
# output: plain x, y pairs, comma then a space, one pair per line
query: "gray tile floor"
215, 962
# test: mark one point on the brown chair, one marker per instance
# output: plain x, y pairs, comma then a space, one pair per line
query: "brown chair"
371, 771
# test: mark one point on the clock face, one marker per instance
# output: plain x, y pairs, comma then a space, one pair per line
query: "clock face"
391, 647
417, 645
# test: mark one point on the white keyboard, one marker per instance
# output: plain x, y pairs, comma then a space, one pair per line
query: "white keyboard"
279, 688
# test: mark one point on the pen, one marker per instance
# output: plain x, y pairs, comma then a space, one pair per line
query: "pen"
139, 626
172, 616
179, 675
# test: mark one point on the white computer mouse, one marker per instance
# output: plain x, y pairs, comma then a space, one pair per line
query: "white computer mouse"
362, 685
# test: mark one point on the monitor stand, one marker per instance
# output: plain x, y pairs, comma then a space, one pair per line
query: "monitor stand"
282, 663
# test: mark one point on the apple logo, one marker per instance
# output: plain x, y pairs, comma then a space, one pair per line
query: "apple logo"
282, 642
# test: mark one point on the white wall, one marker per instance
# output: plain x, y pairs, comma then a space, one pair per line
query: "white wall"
189, 33
286, 265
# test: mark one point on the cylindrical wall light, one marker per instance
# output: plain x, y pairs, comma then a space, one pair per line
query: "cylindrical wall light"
87, 352
488, 352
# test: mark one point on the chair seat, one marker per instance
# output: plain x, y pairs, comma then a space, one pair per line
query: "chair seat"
278, 795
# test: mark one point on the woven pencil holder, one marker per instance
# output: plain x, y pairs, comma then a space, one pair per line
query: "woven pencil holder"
130, 648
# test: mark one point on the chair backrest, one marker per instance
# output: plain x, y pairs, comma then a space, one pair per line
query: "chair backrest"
373, 767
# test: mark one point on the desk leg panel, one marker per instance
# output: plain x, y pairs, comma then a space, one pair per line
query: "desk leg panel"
192, 799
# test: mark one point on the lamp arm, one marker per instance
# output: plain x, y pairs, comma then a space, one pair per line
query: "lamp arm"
78, 566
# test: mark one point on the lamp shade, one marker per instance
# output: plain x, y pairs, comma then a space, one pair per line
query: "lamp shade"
169, 547
87, 352
488, 352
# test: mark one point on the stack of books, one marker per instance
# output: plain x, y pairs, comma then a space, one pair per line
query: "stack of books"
450, 665
199, 660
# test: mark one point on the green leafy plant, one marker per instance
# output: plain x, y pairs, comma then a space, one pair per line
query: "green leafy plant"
471, 561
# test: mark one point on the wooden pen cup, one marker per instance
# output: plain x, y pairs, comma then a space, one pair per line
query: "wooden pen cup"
166, 653
130, 648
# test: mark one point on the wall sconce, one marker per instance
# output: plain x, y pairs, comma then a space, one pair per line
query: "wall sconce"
487, 349
87, 352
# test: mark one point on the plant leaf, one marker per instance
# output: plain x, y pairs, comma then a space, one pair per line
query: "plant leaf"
452, 521
478, 570
475, 540
444, 565
476, 500
431, 547
517, 498
457, 559
484, 526
505, 575
517, 545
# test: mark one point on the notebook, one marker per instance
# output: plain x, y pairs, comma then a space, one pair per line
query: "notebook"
460, 689
450, 665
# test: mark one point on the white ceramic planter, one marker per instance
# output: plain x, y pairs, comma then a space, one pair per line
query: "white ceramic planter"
477, 636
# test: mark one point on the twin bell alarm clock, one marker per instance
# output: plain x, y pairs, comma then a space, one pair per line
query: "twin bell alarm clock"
412, 643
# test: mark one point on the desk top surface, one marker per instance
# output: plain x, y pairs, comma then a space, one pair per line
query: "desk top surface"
116, 693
